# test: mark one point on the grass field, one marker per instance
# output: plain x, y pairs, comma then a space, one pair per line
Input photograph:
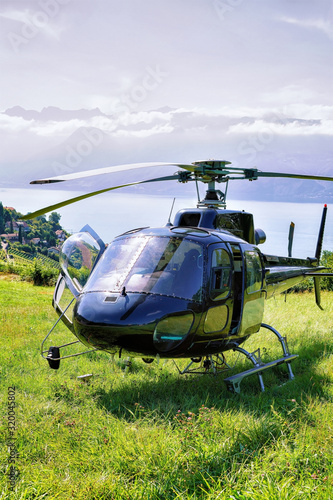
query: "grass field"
153, 434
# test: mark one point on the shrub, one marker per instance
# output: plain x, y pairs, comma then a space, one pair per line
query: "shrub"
42, 275
303, 286
327, 261
38, 274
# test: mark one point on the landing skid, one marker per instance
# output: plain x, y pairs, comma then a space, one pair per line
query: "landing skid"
217, 363
233, 382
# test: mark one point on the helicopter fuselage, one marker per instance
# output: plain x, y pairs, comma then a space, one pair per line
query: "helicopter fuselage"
193, 289
172, 292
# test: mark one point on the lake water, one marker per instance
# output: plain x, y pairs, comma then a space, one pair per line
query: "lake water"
112, 214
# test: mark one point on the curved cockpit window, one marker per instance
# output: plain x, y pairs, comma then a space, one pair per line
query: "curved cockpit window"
253, 271
153, 264
78, 256
220, 274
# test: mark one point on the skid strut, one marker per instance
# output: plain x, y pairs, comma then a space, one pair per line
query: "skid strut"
233, 382
201, 366
53, 357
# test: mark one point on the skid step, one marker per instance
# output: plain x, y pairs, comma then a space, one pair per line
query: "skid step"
233, 382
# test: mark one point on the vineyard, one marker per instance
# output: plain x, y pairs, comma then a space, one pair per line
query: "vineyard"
23, 257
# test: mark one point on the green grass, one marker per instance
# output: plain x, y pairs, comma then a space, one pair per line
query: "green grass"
153, 434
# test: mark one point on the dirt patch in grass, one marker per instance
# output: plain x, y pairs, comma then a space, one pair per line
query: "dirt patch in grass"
9, 277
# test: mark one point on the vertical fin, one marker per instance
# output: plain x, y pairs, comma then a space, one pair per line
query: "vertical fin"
321, 234
291, 238
316, 281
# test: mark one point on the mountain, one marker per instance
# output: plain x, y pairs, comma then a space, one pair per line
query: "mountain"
52, 113
54, 141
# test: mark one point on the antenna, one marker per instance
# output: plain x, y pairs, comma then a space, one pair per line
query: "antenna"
198, 194
169, 220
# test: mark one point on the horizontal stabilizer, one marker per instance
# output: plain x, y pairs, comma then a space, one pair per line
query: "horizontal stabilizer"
319, 275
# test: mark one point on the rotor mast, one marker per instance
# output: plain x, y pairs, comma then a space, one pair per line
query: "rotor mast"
210, 172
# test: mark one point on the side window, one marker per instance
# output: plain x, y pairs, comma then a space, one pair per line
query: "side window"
253, 281
220, 274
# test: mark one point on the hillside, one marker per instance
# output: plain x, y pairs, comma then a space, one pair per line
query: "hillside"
38, 236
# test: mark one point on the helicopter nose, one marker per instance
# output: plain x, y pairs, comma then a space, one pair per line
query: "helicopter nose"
138, 323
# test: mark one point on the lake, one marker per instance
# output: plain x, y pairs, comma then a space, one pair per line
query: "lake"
111, 214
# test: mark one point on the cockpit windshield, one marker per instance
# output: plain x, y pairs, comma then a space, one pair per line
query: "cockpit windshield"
151, 264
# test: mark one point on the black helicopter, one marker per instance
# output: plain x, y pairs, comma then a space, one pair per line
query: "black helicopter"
192, 289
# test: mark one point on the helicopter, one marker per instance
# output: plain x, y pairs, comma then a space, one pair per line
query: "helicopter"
194, 289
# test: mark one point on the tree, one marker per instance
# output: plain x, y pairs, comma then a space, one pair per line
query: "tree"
327, 261
20, 235
7, 215
54, 217
2, 219
52, 240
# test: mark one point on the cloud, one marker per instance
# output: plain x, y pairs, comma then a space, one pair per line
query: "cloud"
32, 23
16, 124
40, 22
289, 94
51, 128
162, 129
21, 16
323, 25
284, 127
309, 111
296, 119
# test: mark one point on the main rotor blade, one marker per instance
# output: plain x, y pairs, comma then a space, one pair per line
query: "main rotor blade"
107, 170
258, 173
61, 204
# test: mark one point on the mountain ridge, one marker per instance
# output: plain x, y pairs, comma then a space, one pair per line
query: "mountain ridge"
54, 144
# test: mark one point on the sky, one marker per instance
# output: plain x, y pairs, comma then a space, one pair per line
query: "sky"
210, 54
249, 81
264, 69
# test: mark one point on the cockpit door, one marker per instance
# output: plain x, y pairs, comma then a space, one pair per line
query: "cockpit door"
79, 255
253, 294
219, 312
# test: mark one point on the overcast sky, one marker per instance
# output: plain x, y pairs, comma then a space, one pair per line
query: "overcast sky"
183, 53
248, 81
